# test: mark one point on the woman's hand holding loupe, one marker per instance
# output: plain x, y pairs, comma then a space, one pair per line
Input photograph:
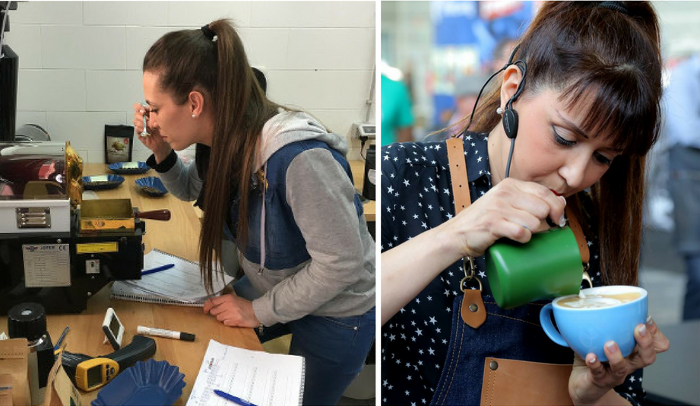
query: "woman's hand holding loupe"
513, 209
149, 136
591, 381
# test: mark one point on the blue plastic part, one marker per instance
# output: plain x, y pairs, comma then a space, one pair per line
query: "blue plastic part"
145, 383
152, 186
112, 182
118, 167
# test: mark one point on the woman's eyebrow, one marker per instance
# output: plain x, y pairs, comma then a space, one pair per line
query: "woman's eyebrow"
572, 126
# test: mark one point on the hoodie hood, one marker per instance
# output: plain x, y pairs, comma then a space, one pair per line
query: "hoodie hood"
292, 126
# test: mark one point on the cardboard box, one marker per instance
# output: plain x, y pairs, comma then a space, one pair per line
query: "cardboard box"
60, 391
13, 362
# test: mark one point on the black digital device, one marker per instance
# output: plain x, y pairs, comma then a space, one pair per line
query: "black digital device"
89, 373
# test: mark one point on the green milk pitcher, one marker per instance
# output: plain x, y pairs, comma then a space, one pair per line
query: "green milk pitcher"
547, 266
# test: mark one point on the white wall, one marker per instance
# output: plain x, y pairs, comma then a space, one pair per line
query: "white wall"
80, 62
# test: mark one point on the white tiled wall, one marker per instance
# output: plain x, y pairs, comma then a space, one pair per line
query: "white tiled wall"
80, 62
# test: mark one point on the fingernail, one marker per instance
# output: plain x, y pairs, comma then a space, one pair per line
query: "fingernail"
650, 321
562, 221
612, 347
643, 331
592, 360
563, 199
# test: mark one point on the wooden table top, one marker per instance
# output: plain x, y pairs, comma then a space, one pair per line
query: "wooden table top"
178, 236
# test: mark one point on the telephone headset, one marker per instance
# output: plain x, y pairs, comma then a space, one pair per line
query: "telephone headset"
510, 116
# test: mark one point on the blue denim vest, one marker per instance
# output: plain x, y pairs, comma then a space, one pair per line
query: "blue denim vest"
284, 244
509, 334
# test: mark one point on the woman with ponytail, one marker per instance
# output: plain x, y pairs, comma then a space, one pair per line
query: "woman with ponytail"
278, 200
585, 81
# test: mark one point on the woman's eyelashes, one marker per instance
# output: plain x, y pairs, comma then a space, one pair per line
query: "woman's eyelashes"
561, 140
600, 158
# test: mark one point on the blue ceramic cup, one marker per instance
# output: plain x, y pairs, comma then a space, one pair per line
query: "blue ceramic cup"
587, 329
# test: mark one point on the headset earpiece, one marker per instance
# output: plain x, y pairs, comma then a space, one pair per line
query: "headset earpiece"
510, 116
510, 122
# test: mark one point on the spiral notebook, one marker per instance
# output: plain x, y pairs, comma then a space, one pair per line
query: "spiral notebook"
257, 377
180, 285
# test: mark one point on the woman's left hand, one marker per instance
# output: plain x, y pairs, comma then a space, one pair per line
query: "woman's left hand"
232, 310
591, 380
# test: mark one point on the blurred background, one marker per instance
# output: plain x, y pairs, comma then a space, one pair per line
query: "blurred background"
436, 56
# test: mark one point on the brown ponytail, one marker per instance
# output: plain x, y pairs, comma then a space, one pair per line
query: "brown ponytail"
582, 49
189, 60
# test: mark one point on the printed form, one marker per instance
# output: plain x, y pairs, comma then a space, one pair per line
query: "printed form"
255, 376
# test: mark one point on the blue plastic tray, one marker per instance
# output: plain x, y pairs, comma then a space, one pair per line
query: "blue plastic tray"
152, 186
101, 182
145, 383
120, 167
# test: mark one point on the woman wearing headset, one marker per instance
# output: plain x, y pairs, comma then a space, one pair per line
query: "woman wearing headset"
585, 82
278, 201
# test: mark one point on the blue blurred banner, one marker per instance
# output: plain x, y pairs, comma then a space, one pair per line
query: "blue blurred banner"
466, 34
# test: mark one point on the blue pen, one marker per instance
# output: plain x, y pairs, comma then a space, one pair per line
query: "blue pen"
60, 340
232, 398
157, 269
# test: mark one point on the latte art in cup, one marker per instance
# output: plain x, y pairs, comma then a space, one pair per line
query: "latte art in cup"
605, 313
597, 301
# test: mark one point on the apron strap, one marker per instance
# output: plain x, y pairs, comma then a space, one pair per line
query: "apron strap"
473, 310
458, 174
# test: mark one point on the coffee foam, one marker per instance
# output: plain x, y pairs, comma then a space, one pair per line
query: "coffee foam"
598, 301
592, 302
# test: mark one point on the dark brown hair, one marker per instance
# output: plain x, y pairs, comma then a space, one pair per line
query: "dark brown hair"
583, 50
188, 60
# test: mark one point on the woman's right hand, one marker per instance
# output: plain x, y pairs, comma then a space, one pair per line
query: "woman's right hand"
154, 141
513, 209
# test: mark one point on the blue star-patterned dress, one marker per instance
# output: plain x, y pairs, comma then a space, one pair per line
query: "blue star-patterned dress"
417, 196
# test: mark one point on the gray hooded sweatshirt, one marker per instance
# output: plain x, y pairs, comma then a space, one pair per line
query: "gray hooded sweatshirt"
339, 279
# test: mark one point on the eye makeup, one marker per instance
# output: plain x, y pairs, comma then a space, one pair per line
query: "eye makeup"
600, 158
